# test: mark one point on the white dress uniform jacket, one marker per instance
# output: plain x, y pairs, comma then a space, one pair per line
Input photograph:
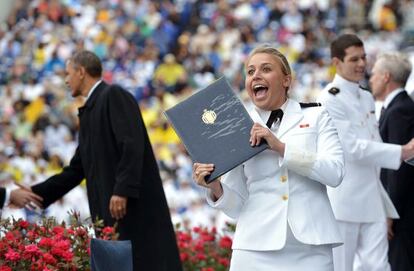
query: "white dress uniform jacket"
360, 198
268, 192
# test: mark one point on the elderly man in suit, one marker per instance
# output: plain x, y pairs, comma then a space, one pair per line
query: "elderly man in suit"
360, 203
396, 124
115, 156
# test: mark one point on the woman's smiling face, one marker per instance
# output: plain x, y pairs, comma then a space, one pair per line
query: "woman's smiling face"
265, 81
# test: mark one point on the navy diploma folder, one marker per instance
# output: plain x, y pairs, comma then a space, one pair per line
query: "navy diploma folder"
108, 255
214, 127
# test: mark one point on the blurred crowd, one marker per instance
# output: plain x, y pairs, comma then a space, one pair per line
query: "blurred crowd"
162, 52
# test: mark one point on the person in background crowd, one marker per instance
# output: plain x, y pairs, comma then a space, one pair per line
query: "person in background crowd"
116, 158
283, 187
396, 125
360, 203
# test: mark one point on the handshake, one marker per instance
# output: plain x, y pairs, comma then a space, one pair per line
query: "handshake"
23, 197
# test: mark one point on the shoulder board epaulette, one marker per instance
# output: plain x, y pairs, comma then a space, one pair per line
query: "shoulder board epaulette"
306, 105
334, 90
364, 88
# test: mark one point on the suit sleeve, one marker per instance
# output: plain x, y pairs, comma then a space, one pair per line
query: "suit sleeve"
129, 133
326, 165
399, 130
58, 185
400, 127
363, 151
2, 196
234, 193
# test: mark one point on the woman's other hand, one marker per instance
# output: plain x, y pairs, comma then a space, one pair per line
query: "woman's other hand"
258, 132
200, 171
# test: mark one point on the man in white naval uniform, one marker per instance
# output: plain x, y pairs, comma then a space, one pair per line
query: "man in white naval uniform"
360, 203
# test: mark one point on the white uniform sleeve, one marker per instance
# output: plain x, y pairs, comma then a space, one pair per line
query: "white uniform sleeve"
7, 199
234, 193
326, 165
363, 151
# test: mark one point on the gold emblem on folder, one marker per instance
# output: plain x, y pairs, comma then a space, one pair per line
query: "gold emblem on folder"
209, 116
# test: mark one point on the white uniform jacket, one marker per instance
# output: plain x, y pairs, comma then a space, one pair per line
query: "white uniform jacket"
268, 192
360, 198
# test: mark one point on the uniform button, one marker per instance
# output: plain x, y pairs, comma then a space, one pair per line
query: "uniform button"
283, 178
285, 197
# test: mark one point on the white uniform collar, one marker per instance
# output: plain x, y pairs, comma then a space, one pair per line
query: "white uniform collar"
93, 88
348, 86
391, 96
264, 115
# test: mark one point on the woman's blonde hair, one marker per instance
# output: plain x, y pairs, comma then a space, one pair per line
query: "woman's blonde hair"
268, 49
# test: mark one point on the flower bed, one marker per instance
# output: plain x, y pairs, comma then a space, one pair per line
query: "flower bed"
48, 245
203, 249
52, 246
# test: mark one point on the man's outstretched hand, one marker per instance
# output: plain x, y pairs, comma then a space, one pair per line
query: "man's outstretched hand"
24, 197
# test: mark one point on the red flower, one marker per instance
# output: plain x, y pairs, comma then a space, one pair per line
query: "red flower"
67, 256
224, 262
199, 246
31, 235
201, 256
184, 256
46, 242
32, 250
108, 230
207, 237
24, 224
36, 266
225, 242
58, 230
12, 255
49, 259
3, 247
182, 236
10, 236
5, 268
207, 269
62, 244
81, 232
57, 251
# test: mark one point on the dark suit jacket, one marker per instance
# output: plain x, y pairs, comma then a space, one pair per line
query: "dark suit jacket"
2, 196
115, 156
397, 126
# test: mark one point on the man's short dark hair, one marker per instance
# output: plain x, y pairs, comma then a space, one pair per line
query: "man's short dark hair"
341, 43
89, 61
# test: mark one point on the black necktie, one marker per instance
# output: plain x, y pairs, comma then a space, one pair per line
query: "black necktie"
382, 114
80, 111
274, 116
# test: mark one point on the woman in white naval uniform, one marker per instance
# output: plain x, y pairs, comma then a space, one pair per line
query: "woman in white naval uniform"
284, 218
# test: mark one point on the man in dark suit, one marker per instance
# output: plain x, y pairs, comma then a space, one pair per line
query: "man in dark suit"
115, 156
389, 76
19, 197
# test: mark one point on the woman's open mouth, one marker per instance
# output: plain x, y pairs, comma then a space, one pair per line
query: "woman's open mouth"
260, 90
